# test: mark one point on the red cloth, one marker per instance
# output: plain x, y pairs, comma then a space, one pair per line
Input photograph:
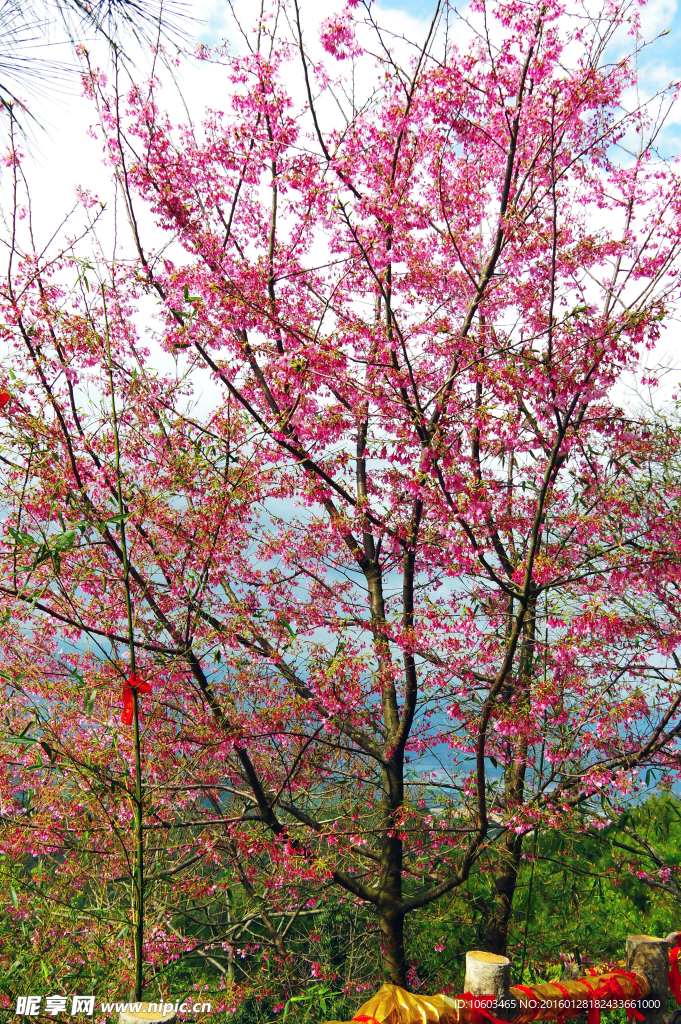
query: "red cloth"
132, 683
531, 994
611, 989
674, 975
480, 1011
5, 397
564, 992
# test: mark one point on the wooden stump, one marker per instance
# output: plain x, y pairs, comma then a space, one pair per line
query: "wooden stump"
490, 975
649, 955
147, 1016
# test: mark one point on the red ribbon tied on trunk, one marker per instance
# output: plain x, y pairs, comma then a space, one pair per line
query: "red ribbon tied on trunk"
532, 996
611, 989
566, 995
480, 1008
674, 974
133, 682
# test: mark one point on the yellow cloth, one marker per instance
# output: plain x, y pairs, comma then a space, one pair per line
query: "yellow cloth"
394, 1005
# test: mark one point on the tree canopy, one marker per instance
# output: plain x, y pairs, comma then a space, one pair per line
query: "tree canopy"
418, 522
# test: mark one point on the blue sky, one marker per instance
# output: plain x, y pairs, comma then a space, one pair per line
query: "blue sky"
660, 63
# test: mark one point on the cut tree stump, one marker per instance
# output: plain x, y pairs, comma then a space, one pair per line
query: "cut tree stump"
649, 955
490, 975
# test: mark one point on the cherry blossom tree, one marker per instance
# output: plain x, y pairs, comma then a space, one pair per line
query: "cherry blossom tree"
405, 531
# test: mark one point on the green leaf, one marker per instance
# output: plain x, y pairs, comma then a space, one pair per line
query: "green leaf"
65, 541
14, 898
115, 519
24, 539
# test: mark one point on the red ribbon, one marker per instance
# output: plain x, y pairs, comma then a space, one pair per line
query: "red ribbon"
566, 995
132, 683
480, 1011
674, 975
5, 397
608, 989
612, 988
365, 1019
531, 994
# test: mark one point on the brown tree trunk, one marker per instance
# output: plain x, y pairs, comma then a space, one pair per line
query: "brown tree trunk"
510, 849
505, 881
390, 920
391, 926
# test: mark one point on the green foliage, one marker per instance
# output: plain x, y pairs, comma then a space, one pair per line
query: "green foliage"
586, 897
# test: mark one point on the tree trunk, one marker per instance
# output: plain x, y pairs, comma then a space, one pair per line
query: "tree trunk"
390, 920
506, 874
391, 926
505, 880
